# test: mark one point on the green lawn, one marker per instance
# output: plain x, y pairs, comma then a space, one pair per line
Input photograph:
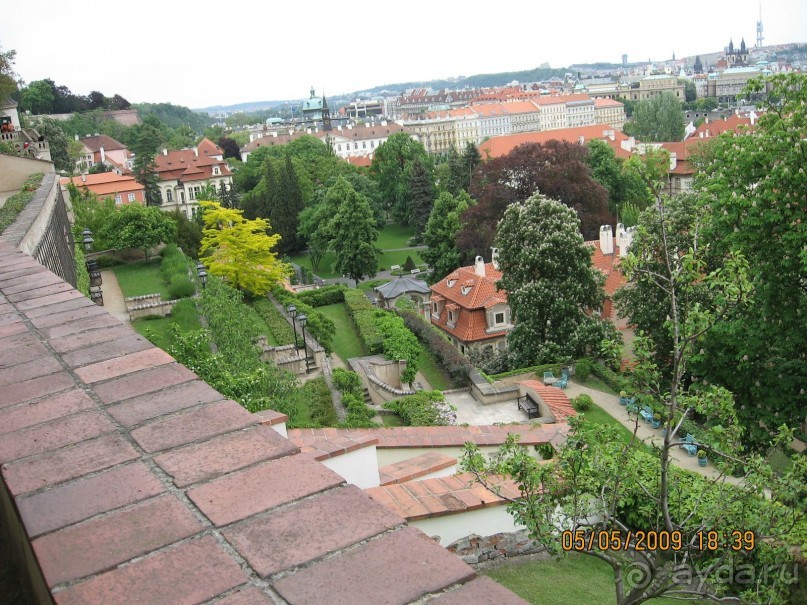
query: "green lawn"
593, 382
432, 372
385, 260
156, 330
394, 236
570, 580
141, 277
366, 286
392, 420
264, 329
346, 343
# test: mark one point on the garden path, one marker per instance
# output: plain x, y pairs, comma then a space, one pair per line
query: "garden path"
113, 296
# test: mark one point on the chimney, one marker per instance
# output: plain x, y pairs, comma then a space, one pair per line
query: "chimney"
103, 155
165, 151
753, 117
83, 178
606, 240
196, 151
494, 258
75, 135
626, 241
479, 266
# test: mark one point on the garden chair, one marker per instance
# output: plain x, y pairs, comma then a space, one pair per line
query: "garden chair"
690, 445
549, 378
646, 413
562, 382
631, 406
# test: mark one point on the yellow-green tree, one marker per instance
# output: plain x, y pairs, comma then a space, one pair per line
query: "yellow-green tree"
240, 250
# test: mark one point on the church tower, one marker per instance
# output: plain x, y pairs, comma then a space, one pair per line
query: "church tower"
326, 114
759, 27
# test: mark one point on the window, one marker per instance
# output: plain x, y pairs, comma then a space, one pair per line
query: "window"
451, 316
216, 170
182, 196
434, 308
169, 195
118, 199
191, 193
131, 197
498, 318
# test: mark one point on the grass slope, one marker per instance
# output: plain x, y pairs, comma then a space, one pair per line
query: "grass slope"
346, 343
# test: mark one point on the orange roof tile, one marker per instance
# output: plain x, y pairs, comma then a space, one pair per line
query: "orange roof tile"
608, 264
496, 147
555, 399
734, 123
105, 183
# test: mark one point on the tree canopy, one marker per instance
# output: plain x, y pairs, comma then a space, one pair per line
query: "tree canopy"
240, 250
555, 169
440, 236
137, 226
658, 119
352, 231
391, 165
550, 283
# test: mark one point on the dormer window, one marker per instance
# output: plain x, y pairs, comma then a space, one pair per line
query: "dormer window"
465, 290
216, 171
450, 283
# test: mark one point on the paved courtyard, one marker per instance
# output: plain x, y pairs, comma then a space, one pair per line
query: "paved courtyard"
470, 411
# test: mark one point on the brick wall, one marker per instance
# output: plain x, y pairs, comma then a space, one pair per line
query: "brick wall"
127, 479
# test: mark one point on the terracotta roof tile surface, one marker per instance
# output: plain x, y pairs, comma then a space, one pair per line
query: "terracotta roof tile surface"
496, 147
555, 399
608, 265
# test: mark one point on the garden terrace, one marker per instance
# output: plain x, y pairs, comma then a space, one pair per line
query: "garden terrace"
125, 478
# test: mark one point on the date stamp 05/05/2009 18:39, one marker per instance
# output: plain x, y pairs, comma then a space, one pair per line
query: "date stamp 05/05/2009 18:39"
615, 540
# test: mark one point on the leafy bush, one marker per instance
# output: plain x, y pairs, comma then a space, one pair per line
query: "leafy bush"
425, 408
181, 287
409, 264
82, 275
399, 342
582, 402
185, 315
277, 324
613, 379
583, 368
319, 326
449, 358
363, 314
17, 202
347, 382
169, 250
329, 295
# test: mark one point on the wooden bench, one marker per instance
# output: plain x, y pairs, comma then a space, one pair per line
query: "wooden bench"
529, 405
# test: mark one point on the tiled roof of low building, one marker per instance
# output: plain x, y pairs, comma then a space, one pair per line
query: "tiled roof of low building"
608, 264
105, 183
499, 146
94, 143
555, 399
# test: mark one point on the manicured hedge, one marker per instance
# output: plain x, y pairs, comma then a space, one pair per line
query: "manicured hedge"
363, 314
329, 295
317, 396
181, 286
319, 326
277, 324
615, 380
537, 370
450, 359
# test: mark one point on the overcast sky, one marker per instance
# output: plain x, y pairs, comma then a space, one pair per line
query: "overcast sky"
207, 53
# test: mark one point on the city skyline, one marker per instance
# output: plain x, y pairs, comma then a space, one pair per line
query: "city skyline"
203, 56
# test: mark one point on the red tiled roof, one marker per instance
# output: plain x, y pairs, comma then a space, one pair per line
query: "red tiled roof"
415, 467
428, 498
554, 398
105, 183
734, 123
94, 143
187, 165
471, 325
608, 264
496, 147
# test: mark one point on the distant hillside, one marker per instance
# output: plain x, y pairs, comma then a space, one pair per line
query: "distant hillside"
175, 115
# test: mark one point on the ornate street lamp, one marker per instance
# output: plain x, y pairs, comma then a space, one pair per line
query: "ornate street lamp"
293, 311
303, 319
203, 278
88, 240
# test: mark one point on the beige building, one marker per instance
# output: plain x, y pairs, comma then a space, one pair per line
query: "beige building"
651, 86
609, 111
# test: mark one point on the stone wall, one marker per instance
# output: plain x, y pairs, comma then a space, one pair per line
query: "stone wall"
476, 549
487, 393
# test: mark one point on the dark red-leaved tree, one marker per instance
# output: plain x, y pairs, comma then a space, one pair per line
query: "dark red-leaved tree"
556, 169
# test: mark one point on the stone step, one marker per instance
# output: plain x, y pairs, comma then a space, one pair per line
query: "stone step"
415, 467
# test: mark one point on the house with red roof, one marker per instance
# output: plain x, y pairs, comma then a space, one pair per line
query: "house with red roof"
606, 255
470, 309
123, 188
496, 147
103, 149
183, 173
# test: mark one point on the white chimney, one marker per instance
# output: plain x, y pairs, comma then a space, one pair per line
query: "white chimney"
753, 116
75, 135
494, 258
165, 151
479, 266
103, 155
625, 241
83, 178
606, 239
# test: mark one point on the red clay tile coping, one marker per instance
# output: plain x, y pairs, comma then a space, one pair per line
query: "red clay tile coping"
271, 418
415, 467
137, 482
428, 498
323, 448
555, 399
436, 436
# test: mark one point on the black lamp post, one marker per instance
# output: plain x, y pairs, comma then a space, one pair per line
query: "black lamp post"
303, 319
88, 240
200, 266
203, 278
293, 311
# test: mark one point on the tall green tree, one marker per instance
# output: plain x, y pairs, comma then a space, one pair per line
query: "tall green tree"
353, 232
754, 188
624, 185
657, 119
57, 142
471, 158
391, 164
37, 97
136, 226
284, 213
8, 77
550, 283
421, 195
144, 166
440, 236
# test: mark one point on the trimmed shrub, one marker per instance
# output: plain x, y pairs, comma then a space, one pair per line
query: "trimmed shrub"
363, 314
347, 382
425, 408
399, 343
449, 358
329, 295
277, 324
582, 402
169, 250
615, 380
181, 287
409, 264
583, 368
